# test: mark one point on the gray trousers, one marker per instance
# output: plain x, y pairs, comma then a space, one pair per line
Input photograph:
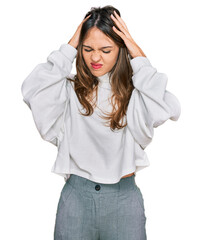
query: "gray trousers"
90, 210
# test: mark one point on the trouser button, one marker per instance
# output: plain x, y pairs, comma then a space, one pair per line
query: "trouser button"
97, 187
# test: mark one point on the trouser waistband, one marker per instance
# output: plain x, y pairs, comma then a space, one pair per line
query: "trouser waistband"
84, 184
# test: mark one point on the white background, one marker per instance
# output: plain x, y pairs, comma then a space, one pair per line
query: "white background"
169, 33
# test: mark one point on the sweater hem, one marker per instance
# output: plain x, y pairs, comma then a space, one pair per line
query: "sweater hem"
66, 174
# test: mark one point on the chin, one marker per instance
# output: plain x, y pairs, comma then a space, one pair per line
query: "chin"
97, 74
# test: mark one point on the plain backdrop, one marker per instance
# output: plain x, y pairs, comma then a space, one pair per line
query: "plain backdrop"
169, 33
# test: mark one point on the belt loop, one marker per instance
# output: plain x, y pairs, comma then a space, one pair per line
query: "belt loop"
121, 181
72, 180
84, 183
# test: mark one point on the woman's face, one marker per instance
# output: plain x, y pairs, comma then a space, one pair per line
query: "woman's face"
99, 49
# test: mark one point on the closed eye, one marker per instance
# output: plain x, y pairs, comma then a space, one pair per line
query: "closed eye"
91, 50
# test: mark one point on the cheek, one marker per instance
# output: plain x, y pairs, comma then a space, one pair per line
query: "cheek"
85, 57
111, 60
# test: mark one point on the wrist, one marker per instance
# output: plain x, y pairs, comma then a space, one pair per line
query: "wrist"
137, 52
72, 44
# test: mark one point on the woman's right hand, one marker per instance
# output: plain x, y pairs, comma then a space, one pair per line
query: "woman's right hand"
74, 41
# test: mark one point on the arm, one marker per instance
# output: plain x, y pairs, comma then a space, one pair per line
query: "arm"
46, 92
150, 104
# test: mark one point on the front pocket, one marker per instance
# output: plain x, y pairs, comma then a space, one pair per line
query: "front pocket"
66, 191
139, 197
64, 195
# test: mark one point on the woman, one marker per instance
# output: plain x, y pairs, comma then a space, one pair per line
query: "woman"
101, 119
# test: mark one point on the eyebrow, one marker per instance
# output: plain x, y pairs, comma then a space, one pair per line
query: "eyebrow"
99, 48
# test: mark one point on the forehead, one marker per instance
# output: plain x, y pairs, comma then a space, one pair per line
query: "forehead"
95, 36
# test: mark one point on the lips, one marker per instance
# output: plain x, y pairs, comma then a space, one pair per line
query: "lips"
96, 65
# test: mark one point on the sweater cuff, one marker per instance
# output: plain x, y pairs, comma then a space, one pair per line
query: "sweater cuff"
69, 51
138, 62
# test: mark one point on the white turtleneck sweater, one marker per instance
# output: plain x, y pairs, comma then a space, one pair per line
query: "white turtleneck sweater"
85, 146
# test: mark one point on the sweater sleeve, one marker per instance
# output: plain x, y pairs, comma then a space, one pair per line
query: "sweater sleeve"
150, 104
46, 92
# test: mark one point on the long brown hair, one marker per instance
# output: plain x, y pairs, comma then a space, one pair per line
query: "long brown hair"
85, 83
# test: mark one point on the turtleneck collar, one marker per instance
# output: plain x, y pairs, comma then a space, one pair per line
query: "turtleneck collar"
104, 78
104, 81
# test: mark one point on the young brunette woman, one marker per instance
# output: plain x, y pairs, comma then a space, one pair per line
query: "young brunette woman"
101, 119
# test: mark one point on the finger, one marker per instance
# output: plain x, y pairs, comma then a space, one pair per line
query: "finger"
80, 25
121, 27
122, 35
86, 18
120, 19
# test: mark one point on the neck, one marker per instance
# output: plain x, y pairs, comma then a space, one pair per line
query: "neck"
104, 78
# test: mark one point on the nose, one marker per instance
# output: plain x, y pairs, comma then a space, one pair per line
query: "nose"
95, 57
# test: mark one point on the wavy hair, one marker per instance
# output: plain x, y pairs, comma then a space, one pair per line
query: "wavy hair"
86, 84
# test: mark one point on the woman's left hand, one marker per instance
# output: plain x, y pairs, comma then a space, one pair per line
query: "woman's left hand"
133, 49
